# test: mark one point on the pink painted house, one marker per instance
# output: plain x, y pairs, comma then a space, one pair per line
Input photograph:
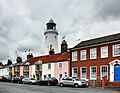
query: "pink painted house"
56, 65
21, 70
61, 69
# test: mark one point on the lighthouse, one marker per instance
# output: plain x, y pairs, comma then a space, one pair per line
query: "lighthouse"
51, 37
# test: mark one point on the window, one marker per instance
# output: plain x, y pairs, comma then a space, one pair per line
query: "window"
60, 65
65, 74
93, 73
74, 56
26, 68
44, 76
26, 75
83, 73
40, 67
93, 53
104, 71
55, 37
67, 79
49, 75
74, 72
49, 66
83, 54
104, 52
45, 37
116, 50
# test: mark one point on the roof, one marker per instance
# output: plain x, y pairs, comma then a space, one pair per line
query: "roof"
4, 66
58, 57
105, 39
36, 59
17, 64
50, 58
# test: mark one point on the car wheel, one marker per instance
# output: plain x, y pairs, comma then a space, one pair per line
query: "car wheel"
38, 83
61, 84
76, 85
30, 83
48, 83
18, 82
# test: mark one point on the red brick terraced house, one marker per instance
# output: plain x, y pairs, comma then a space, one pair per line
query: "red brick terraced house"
97, 60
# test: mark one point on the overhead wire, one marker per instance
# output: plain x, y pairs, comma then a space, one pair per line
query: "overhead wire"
6, 37
3, 35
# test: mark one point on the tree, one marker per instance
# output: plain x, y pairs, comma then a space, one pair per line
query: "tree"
1, 64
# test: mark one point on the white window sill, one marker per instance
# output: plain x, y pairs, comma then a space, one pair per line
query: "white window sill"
93, 78
116, 55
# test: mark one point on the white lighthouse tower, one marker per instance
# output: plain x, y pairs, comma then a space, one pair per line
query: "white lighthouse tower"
51, 37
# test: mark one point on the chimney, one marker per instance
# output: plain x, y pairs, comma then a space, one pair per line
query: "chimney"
29, 56
19, 59
64, 46
51, 52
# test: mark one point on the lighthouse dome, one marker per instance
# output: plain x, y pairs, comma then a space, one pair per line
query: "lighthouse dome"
51, 21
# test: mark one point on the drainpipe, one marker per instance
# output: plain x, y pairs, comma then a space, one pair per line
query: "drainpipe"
70, 68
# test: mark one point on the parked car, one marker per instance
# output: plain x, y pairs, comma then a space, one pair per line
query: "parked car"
69, 81
4, 79
48, 81
17, 80
29, 81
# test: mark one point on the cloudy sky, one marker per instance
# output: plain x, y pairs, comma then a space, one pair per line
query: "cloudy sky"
22, 22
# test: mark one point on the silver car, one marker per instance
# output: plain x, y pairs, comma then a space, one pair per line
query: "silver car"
29, 81
69, 81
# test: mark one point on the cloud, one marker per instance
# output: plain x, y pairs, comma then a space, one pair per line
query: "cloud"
108, 9
22, 22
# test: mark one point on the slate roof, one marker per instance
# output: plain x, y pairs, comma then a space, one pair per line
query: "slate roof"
50, 58
99, 40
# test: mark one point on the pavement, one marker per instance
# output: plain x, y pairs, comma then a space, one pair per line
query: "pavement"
26, 88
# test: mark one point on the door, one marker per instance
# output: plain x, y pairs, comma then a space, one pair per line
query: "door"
117, 73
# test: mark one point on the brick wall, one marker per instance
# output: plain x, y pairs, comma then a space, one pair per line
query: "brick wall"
93, 62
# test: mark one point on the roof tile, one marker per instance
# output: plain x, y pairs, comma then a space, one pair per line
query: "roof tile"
50, 58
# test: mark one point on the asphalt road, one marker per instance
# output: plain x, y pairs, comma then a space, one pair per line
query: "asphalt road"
24, 88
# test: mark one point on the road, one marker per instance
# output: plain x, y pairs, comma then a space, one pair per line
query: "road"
24, 88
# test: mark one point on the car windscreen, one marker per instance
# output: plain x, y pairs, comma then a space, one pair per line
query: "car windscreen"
32, 78
78, 79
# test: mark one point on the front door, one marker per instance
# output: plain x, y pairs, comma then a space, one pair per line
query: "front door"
117, 73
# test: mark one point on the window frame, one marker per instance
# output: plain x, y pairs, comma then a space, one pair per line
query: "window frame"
49, 66
59, 65
49, 75
73, 75
81, 73
113, 50
104, 54
101, 71
82, 54
93, 53
91, 74
74, 56
26, 68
